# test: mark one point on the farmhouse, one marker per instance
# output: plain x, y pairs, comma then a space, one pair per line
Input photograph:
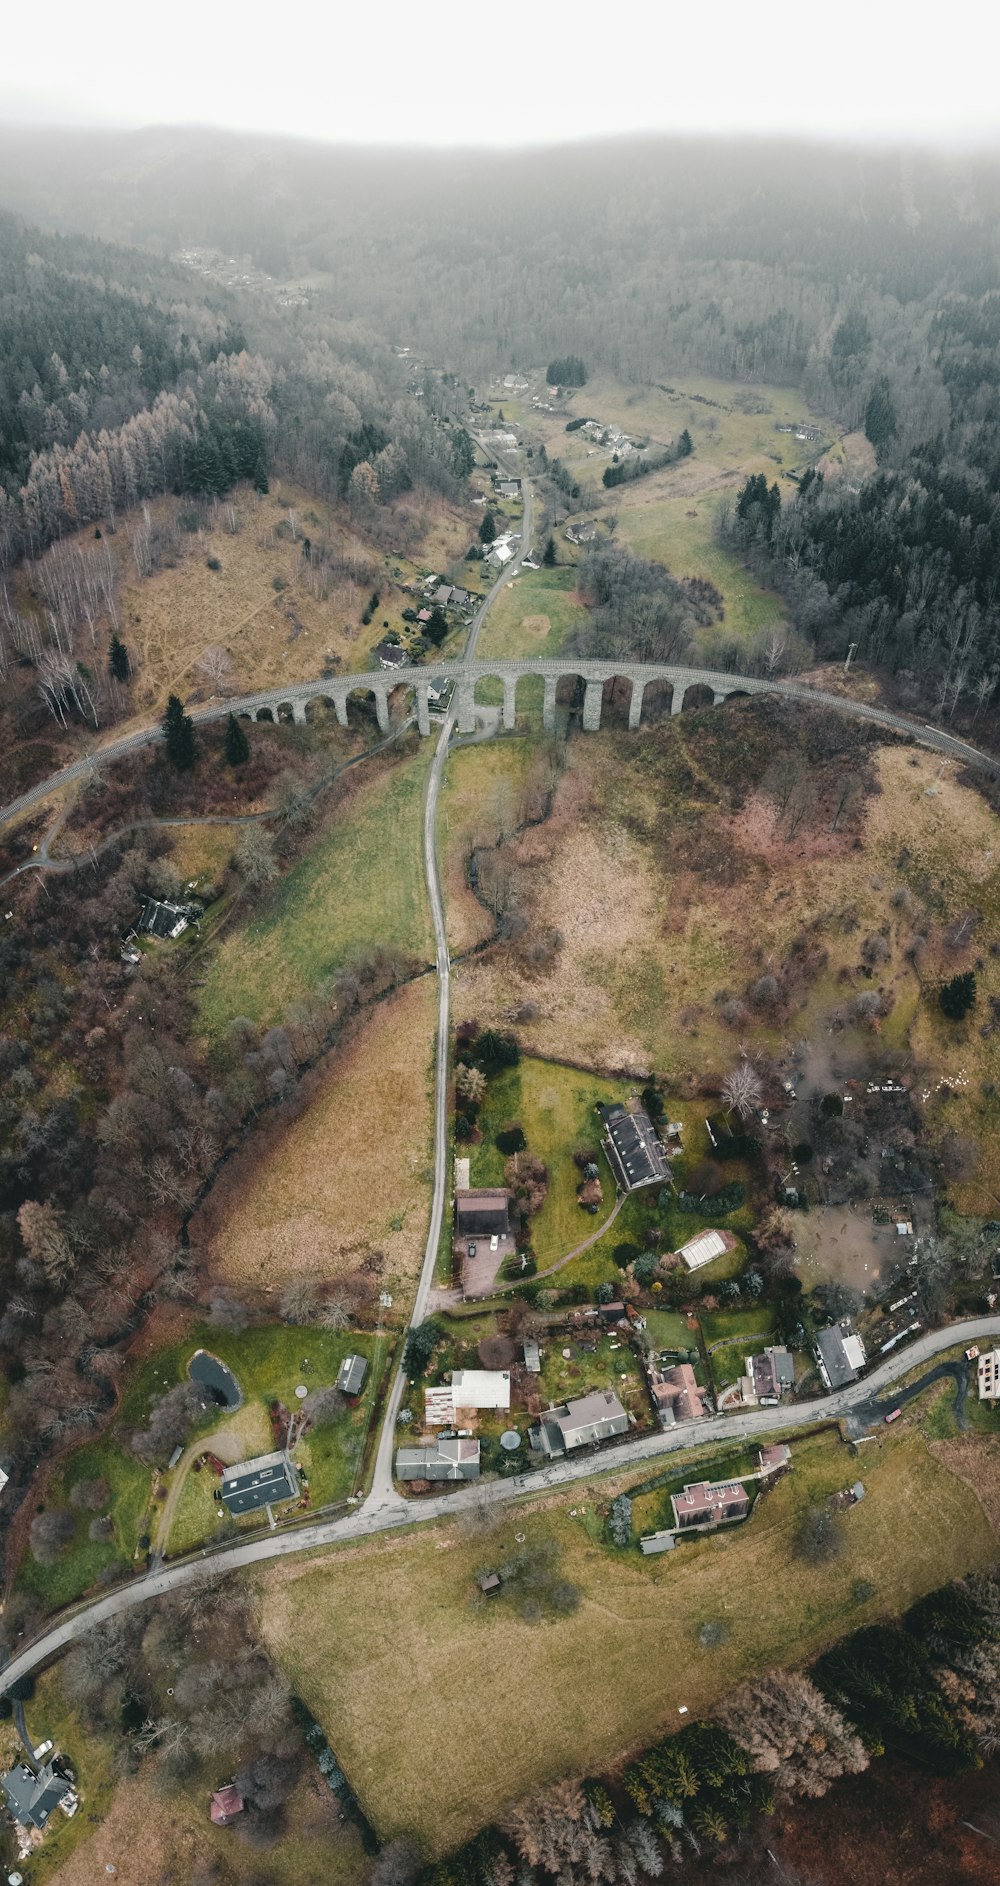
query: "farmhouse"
32, 1797
455, 1458
351, 1375
677, 1394
634, 1152
710, 1503
840, 1353
267, 1480
596, 1417
988, 1374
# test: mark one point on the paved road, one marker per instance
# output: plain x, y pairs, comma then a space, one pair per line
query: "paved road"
375, 1517
383, 1497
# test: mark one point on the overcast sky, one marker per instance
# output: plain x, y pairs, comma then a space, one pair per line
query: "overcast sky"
458, 72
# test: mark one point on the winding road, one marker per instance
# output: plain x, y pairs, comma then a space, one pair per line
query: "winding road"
384, 1509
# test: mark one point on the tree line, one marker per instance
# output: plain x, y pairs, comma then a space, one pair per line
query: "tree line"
926, 1690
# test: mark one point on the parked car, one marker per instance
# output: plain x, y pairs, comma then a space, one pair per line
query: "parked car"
894, 1416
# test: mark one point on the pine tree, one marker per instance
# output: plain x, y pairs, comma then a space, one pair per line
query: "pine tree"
958, 996
118, 661
549, 556
178, 730
684, 445
488, 527
237, 744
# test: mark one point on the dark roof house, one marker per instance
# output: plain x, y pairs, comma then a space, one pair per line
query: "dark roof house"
391, 655
634, 1151
351, 1375
267, 1480
483, 1214
32, 1798
771, 1373
165, 920
598, 1416
840, 1353
456, 1458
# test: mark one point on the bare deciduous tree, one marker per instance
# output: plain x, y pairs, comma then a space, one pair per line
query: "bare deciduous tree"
742, 1091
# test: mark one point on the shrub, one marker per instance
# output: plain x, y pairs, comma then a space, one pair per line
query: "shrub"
511, 1139
625, 1254
620, 1520
958, 996
644, 1268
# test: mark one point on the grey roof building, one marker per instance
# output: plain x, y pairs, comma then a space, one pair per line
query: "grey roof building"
453, 1459
484, 1213
352, 1373
841, 1355
164, 920
532, 1356
32, 1798
581, 1423
637, 1158
267, 1480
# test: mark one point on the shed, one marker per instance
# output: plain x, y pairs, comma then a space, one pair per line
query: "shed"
532, 1357
490, 1584
351, 1375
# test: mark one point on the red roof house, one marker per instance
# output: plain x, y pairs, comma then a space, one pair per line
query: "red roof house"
226, 1804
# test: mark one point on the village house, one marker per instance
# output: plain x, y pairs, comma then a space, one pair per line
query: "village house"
482, 1236
988, 1375
634, 1151
507, 487
582, 533
676, 1394
267, 1480
163, 920
840, 1353
455, 1457
391, 654
767, 1376
32, 1797
706, 1504
584, 1422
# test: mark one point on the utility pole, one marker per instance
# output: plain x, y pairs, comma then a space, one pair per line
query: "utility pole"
852, 651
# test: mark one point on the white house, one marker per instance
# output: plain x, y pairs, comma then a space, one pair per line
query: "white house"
480, 1388
989, 1375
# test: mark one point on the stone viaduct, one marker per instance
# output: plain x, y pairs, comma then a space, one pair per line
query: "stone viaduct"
702, 684
710, 687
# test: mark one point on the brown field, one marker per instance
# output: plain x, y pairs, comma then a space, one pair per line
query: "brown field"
483, 795
349, 1175
654, 931
442, 1712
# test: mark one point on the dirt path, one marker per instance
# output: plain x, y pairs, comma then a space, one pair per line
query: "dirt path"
229, 1444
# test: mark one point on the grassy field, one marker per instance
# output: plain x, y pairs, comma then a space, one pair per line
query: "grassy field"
349, 1175
679, 533
375, 1636
555, 1106
532, 616
359, 884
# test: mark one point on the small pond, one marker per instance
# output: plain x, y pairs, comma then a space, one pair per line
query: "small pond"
207, 1369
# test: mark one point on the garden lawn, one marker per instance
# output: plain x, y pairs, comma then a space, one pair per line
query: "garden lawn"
360, 884
374, 1636
556, 1107
749, 1321
268, 1363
